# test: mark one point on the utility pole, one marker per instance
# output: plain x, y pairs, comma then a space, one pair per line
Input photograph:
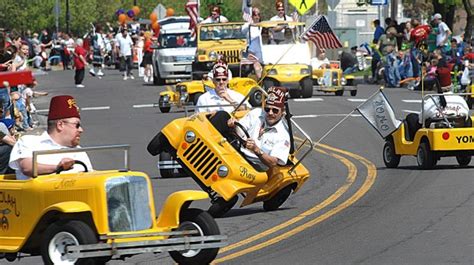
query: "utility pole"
68, 16
394, 9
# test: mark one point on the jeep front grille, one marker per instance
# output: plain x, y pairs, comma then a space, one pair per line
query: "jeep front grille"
201, 158
231, 56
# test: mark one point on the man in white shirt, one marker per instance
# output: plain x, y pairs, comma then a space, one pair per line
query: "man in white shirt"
443, 32
215, 16
64, 131
278, 33
221, 97
125, 45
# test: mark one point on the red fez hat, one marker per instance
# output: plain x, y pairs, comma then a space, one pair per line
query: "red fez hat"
220, 69
276, 96
62, 107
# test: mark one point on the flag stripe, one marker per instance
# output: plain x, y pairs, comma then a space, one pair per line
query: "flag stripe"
321, 34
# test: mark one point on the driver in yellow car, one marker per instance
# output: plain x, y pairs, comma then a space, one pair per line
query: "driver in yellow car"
64, 131
268, 144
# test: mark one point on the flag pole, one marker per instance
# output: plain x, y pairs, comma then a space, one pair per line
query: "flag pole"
347, 116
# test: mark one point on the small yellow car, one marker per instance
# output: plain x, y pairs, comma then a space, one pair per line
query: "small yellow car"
91, 217
222, 171
331, 80
218, 39
188, 92
448, 136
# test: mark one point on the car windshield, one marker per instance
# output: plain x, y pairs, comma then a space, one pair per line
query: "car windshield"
272, 35
176, 40
221, 32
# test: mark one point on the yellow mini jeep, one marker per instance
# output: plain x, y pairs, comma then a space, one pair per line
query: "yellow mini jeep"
331, 80
447, 136
224, 39
286, 63
221, 170
92, 217
188, 92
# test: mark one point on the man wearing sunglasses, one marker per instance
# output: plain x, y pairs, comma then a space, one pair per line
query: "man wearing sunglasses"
278, 32
64, 131
269, 142
215, 16
221, 97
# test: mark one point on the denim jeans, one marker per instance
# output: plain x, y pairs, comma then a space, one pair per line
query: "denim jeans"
20, 105
5, 100
392, 75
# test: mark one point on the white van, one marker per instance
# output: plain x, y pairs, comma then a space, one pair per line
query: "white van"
173, 57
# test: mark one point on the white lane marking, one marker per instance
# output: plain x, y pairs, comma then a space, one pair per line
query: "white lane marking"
356, 99
411, 111
411, 100
307, 99
143, 106
323, 115
96, 108
85, 108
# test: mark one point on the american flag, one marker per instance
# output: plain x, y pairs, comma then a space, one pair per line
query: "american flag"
192, 8
247, 10
321, 34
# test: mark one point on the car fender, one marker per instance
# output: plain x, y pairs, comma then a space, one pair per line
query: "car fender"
171, 94
230, 188
243, 85
169, 215
174, 131
69, 207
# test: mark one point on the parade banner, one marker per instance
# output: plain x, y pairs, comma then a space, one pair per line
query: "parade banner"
379, 113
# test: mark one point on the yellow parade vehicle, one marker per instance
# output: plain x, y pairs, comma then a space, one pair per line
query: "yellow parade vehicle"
444, 137
221, 170
218, 39
91, 217
188, 92
285, 62
332, 80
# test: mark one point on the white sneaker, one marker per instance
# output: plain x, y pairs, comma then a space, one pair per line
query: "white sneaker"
131, 77
125, 77
92, 72
145, 79
100, 73
80, 86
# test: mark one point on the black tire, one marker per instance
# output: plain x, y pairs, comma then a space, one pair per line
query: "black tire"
167, 173
463, 160
307, 88
66, 233
354, 92
255, 98
267, 83
195, 97
200, 220
390, 158
276, 201
220, 207
163, 109
294, 93
339, 92
425, 157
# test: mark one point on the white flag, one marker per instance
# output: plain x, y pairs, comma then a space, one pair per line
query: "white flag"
379, 113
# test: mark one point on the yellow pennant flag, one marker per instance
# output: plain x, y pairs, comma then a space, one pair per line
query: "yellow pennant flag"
302, 5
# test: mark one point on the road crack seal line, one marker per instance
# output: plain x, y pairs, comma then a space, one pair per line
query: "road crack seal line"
369, 181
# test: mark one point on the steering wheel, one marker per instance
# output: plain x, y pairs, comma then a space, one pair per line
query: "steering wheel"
61, 169
241, 134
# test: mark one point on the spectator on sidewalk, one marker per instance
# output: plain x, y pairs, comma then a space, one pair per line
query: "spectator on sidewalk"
442, 34
125, 45
7, 141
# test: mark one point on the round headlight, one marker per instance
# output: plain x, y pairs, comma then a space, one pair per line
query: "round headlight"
334, 81
189, 136
304, 71
213, 55
272, 72
343, 81
222, 171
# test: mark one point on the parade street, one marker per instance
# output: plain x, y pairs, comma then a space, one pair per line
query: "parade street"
351, 210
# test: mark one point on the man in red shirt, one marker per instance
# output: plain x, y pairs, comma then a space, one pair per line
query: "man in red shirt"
80, 63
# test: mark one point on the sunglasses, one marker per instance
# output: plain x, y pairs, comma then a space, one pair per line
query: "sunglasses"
221, 79
77, 124
274, 110
281, 9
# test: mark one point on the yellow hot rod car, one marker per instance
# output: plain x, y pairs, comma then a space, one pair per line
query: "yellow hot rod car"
221, 170
91, 217
437, 138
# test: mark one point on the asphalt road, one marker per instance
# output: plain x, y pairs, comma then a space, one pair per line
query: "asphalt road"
352, 210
